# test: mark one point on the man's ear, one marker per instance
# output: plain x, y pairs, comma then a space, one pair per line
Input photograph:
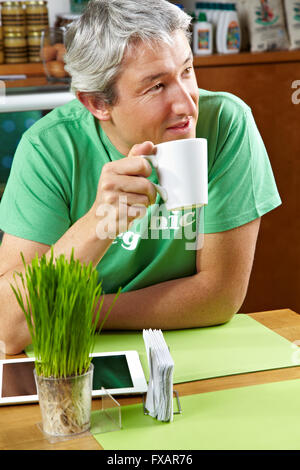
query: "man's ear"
99, 109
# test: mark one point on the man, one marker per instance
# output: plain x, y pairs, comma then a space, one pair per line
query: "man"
132, 71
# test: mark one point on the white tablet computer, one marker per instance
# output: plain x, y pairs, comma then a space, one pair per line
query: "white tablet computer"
120, 373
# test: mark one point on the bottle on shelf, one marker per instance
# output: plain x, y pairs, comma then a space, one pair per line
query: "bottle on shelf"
36, 15
15, 48
202, 36
13, 18
211, 9
215, 11
228, 35
34, 46
204, 7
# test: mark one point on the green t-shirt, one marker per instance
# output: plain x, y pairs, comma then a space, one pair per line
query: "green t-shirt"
55, 174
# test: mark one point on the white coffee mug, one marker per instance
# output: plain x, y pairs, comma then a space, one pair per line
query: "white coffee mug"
181, 167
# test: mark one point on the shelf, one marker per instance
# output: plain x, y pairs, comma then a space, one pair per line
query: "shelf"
34, 73
34, 92
242, 58
247, 58
33, 81
22, 69
36, 77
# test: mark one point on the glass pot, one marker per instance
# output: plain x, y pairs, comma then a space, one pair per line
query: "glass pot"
65, 403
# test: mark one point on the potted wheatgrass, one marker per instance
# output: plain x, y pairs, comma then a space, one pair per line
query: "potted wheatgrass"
61, 303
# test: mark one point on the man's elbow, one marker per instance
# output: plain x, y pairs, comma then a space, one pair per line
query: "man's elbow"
230, 304
224, 314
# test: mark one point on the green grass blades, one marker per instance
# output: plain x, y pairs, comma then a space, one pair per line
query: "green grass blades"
59, 301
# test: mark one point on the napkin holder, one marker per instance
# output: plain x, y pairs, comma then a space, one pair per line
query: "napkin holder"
158, 402
175, 393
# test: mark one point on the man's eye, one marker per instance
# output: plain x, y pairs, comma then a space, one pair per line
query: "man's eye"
188, 70
157, 87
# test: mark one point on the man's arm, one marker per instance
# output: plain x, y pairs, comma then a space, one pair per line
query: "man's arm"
89, 236
13, 328
210, 297
87, 248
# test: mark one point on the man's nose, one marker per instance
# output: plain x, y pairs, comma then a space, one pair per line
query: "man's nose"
182, 101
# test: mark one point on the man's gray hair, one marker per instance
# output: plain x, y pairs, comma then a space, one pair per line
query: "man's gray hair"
97, 41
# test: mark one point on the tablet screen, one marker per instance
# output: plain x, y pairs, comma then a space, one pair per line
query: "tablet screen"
110, 372
18, 379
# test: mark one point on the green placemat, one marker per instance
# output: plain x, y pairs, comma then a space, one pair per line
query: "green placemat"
253, 418
239, 346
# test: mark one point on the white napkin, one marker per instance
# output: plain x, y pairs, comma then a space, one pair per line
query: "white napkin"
159, 400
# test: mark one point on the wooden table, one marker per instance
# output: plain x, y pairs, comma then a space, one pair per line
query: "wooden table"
18, 423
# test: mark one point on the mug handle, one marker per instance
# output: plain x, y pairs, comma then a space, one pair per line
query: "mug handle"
161, 191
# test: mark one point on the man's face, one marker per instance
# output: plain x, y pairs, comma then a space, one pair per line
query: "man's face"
158, 96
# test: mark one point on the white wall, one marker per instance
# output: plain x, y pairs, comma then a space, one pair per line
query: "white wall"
57, 6
54, 7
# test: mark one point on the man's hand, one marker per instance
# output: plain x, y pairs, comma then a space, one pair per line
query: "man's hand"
124, 192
